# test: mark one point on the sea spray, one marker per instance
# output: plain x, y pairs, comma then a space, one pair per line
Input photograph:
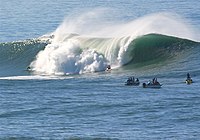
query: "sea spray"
94, 24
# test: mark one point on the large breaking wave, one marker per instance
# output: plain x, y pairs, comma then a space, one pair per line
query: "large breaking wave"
154, 37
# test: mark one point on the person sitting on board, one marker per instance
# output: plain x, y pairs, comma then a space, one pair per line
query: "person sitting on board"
28, 68
137, 80
155, 82
133, 79
108, 68
188, 76
129, 81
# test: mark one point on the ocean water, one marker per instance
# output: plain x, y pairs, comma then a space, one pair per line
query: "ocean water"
66, 93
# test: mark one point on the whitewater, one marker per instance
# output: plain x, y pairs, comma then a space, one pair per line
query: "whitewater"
53, 78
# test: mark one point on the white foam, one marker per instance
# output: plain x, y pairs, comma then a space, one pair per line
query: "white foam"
68, 58
33, 77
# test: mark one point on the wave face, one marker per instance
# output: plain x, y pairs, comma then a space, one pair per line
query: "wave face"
159, 47
65, 53
16, 56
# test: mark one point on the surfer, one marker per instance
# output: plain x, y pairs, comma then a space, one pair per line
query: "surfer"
28, 68
189, 79
108, 68
155, 82
188, 76
132, 81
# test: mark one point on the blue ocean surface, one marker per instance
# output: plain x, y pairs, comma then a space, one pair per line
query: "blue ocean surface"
54, 82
